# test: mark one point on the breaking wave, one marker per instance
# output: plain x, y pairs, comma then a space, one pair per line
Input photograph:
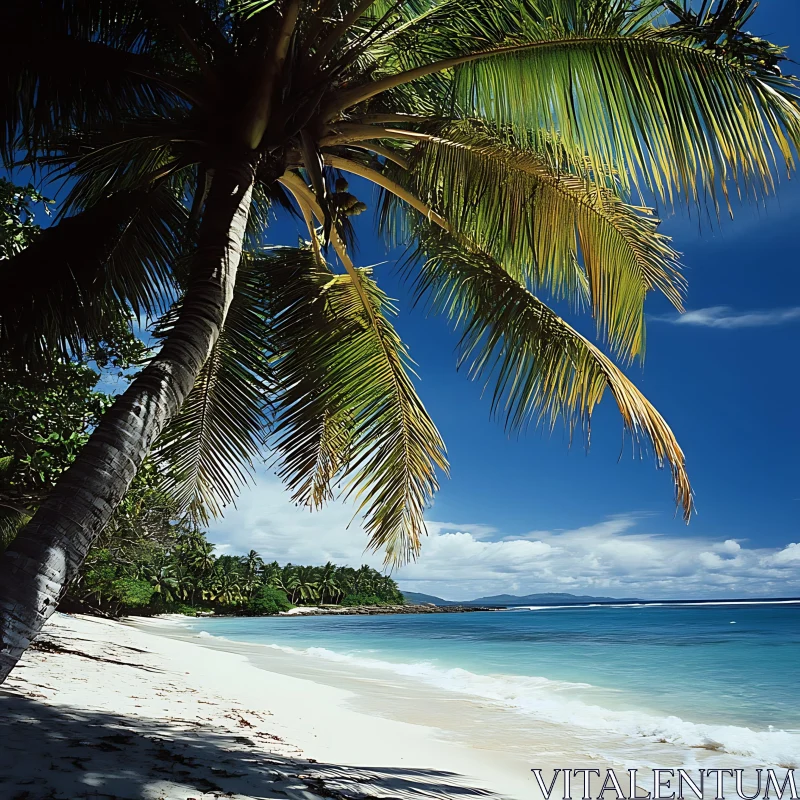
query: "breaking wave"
550, 701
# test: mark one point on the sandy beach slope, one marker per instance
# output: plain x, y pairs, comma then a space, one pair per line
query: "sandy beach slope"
101, 710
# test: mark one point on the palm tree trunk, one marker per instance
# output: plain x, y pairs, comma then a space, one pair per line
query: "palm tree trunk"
45, 557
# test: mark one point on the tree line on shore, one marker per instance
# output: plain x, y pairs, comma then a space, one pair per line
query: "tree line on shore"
151, 558
186, 576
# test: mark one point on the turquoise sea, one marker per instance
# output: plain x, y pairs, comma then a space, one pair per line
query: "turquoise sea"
722, 678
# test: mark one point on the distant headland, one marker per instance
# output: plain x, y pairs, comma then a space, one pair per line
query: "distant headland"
539, 599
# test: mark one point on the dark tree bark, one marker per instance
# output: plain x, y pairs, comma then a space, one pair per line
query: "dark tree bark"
45, 557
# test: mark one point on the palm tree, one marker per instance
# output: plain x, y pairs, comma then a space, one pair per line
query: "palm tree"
508, 138
287, 582
164, 579
327, 582
252, 564
184, 583
364, 582
345, 577
270, 574
387, 589
196, 553
307, 586
226, 582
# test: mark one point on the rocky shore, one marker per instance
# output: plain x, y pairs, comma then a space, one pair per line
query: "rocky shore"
316, 611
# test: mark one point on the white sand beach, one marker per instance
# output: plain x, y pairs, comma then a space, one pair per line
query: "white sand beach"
101, 709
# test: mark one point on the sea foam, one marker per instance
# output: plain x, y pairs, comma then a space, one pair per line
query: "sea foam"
550, 701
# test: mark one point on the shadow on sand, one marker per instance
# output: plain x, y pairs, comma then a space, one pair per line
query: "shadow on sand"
61, 753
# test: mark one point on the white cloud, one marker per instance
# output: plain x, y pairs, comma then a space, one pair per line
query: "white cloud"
266, 520
616, 556
789, 555
478, 531
728, 318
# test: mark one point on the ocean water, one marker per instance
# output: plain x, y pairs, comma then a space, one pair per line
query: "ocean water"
721, 678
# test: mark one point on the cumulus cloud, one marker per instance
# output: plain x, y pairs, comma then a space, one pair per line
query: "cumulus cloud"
477, 530
789, 555
728, 318
618, 556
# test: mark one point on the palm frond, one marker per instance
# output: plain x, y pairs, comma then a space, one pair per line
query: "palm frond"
332, 457
73, 66
312, 434
123, 158
536, 219
341, 364
540, 368
12, 520
61, 291
209, 449
426, 32
249, 8
686, 120
200, 25
622, 88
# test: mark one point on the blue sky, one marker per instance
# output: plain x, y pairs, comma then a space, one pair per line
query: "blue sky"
725, 377
531, 514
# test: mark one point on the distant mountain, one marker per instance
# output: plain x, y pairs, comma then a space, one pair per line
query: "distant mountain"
544, 599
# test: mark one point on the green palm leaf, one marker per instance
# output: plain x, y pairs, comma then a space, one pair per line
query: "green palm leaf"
12, 518
319, 463
74, 65
209, 449
540, 367
342, 360
124, 158
536, 219
621, 87
11, 522
686, 120
115, 258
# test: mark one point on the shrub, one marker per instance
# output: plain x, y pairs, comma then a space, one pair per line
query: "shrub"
131, 593
187, 610
267, 600
99, 579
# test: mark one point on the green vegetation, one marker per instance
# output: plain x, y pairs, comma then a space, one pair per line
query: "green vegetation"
514, 143
149, 558
48, 410
178, 572
267, 600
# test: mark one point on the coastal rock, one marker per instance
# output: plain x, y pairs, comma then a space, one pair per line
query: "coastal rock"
317, 611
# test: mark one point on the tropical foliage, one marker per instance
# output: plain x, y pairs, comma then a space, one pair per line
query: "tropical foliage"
148, 559
515, 144
178, 571
18, 208
44, 421
47, 414
508, 137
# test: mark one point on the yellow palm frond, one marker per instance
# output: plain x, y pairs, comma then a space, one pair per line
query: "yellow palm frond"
539, 220
541, 368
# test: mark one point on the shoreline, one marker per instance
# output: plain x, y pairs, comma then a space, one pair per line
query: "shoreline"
525, 721
157, 709
430, 608
104, 709
408, 608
